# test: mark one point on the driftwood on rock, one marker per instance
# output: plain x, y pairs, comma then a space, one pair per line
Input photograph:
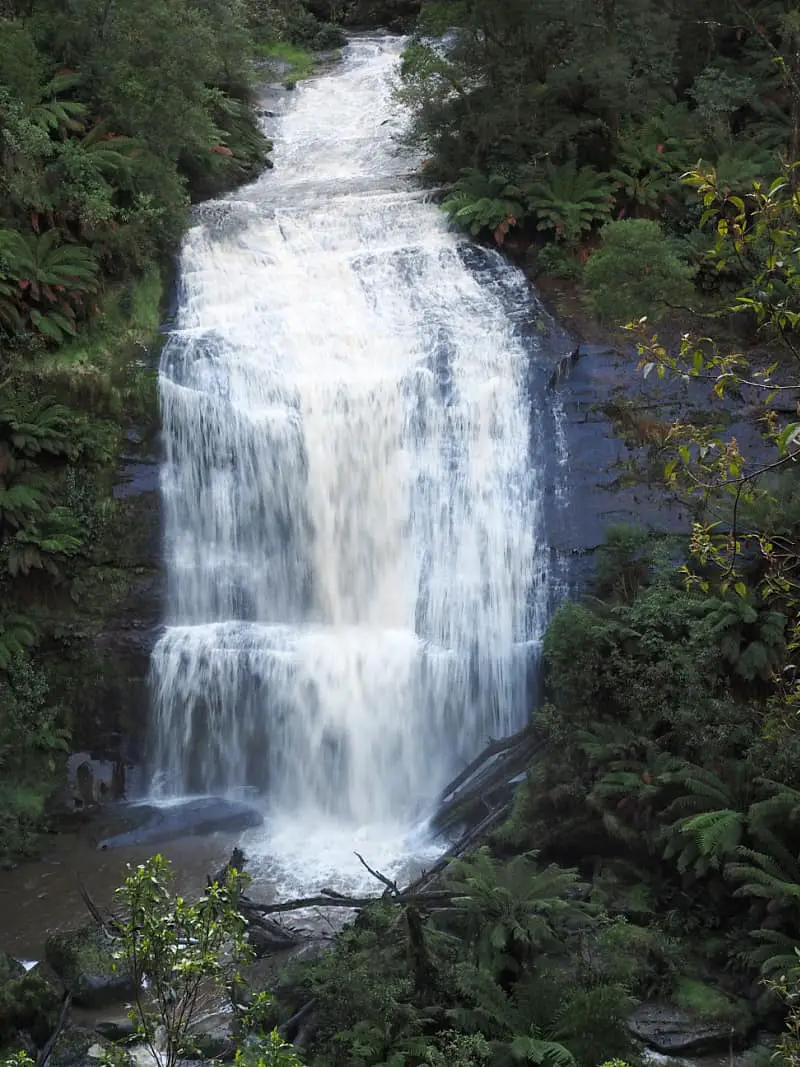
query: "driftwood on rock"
487, 783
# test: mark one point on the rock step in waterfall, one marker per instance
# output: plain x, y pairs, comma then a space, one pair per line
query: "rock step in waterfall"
356, 564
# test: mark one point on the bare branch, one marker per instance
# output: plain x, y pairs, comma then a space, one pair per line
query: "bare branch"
390, 885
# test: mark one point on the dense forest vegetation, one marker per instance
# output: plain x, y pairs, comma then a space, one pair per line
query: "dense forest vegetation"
556, 118
647, 152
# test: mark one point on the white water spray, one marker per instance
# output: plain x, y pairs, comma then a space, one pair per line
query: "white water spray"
353, 524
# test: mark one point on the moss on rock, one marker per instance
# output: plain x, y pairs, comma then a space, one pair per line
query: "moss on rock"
708, 1003
84, 961
79, 1047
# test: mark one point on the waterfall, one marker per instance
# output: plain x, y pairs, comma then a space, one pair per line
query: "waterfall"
353, 527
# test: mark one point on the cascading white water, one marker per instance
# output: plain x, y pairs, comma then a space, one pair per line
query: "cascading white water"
353, 526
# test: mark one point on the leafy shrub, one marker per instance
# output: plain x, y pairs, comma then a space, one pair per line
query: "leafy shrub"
268, 1051
180, 948
642, 958
308, 32
636, 272
624, 563
556, 261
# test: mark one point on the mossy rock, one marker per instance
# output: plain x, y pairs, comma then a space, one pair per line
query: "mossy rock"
28, 1003
84, 961
708, 1003
699, 1018
79, 1047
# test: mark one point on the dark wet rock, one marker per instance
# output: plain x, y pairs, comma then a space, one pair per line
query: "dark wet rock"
81, 1047
121, 1029
84, 961
28, 1002
758, 1054
605, 407
676, 1031
140, 824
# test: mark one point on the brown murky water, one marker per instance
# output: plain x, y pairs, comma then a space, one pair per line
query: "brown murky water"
43, 896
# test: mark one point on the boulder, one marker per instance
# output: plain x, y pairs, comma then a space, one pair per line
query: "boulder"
117, 1029
676, 1031
213, 1037
83, 960
28, 1002
149, 824
80, 1047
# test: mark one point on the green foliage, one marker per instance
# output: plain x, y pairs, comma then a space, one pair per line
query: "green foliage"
642, 959
623, 564
706, 1002
636, 271
557, 261
301, 61
656, 718
306, 31
599, 108
495, 977
181, 948
27, 1003
787, 987
568, 200
481, 203
268, 1051
510, 912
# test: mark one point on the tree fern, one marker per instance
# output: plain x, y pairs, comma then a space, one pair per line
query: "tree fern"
17, 632
506, 1019
35, 426
484, 202
775, 953
760, 875
509, 910
751, 641
717, 833
569, 200
42, 260
53, 114
39, 547
530, 1049
20, 504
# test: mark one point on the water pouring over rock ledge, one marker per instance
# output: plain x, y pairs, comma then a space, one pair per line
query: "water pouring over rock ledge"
356, 564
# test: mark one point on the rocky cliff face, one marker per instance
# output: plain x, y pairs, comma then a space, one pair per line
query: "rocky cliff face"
111, 684
98, 653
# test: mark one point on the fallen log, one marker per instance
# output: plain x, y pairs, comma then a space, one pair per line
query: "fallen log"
329, 899
488, 782
43, 1059
289, 1030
